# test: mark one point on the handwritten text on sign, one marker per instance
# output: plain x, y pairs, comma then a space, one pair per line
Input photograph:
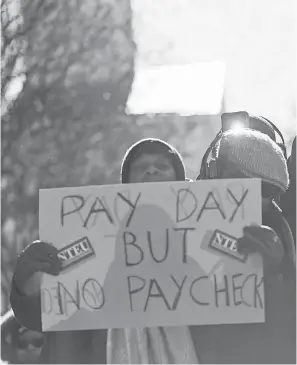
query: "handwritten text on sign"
153, 254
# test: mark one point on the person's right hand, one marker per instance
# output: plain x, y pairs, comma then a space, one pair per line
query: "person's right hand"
37, 257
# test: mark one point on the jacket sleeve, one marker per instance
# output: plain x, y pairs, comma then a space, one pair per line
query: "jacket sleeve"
280, 293
27, 308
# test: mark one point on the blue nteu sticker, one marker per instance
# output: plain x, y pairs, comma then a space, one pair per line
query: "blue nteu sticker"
75, 252
227, 244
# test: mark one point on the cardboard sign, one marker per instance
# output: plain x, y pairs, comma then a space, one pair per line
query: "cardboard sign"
155, 254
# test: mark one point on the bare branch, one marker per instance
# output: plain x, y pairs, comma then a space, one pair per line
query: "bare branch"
9, 22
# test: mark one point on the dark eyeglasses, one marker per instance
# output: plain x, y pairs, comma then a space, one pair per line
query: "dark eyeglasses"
23, 344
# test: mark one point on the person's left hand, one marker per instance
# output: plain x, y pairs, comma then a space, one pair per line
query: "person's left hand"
263, 240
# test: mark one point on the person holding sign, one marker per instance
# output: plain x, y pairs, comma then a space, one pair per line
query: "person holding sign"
252, 152
148, 160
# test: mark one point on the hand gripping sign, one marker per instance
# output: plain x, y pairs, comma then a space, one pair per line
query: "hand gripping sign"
156, 254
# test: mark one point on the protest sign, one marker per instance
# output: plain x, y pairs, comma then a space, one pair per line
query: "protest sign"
155, 254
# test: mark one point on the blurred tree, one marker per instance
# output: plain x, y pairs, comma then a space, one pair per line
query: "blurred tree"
66, 72
67, 69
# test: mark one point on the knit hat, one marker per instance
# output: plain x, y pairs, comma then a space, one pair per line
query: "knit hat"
256, 155
152, 146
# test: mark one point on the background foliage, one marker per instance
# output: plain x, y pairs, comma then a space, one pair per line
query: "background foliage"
67, 126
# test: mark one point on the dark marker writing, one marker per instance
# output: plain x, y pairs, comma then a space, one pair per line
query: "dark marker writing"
223, 290
133, 206
185, 230
230, 292
149, 238
99, 209
194, 298
128, 246
210, 195
89, 292
235, 289
136, 290
95, 290
256, 287
179, 202
135, 254
159, 294
180, 288
238, 202
211, 202
73, 198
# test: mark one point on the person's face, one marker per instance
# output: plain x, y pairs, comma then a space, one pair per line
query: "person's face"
151, 168
29, 346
